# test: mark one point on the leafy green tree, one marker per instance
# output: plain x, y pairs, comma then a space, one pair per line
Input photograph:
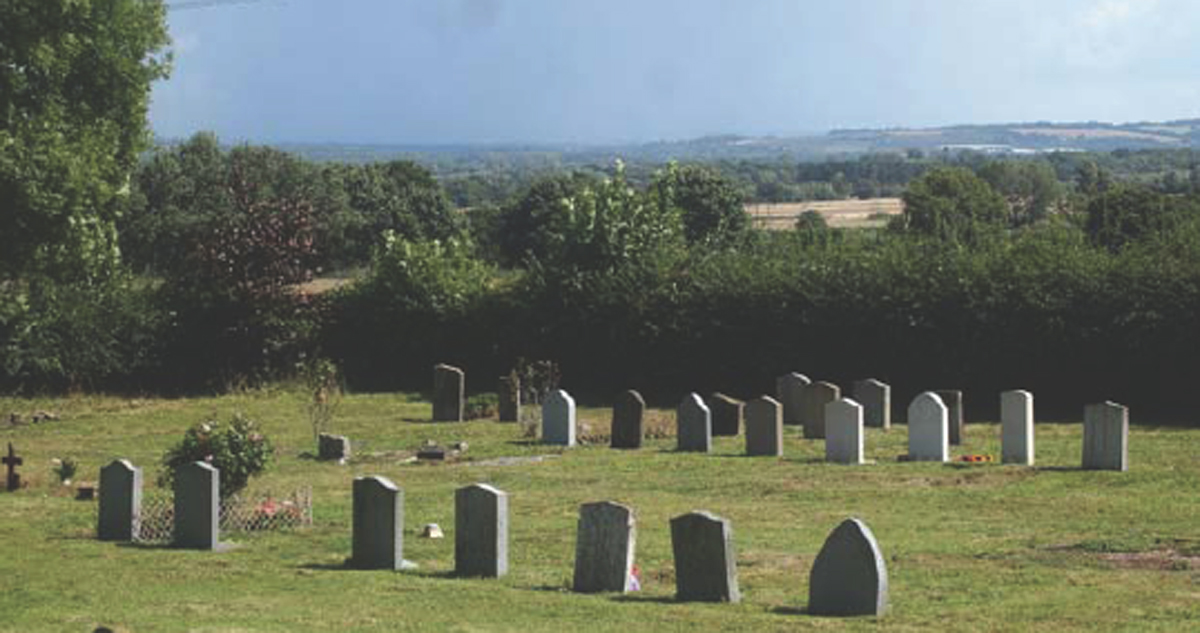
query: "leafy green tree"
710, 205
952, 204
532, 223
1030, 188
74, 90
1130, 213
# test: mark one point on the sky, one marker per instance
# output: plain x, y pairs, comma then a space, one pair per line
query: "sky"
620, 71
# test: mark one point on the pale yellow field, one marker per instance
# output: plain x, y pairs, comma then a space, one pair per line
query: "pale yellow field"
842, 214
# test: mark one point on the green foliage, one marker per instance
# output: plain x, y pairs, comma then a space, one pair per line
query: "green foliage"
711, 206
953, 205
237, 448
483, 405
1129, 213
1031, 188
74, 88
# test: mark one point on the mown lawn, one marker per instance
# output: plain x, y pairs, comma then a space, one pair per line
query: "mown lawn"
968, 547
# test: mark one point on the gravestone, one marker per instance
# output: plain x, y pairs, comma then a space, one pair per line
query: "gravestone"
705, 565
694, 422
953, 399
604, 547
764, 427
120, 502
509, 392
480, 531
1016, 427
378, 525
197, 506
11, 461
628, 420
876, 400
844, 432
928, 430
1106, 437
558, 419
789, 392
812, 410
333, 447
726, 414
849, 577
449, 386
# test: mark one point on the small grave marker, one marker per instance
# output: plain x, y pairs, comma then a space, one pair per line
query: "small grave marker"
726, 414
12, 461
953, 399
844, 432
120, 502
448, 391
876, 400
789, 392
558, 419
197, 506
378, 525
1016, 427
333, 447
812, 411
1106, 437
764, 427
480, 531
628, 420
694, 422
509, 391
928, 434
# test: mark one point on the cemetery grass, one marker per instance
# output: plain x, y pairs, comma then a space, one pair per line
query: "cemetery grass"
968, 547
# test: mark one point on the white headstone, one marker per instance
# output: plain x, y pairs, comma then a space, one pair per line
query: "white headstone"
1016, 427
844, 432
928, 429
558, 419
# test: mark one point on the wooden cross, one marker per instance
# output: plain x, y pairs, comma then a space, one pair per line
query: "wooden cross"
12, 461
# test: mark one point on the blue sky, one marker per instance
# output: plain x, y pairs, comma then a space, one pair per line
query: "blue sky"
470, 71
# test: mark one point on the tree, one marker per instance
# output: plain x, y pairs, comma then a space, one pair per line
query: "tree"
74, 90
710, 206
1129, 213
952, 204
1030, 188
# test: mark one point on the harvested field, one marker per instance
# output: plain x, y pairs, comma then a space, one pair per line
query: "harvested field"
841, 214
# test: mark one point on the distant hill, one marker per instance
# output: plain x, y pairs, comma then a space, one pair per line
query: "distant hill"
1008, 138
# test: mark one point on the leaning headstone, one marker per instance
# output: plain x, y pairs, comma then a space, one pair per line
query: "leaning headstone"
480, 531
812, 409
789, 392
11, 461
448, 391
726, 414
120, 502
1016, 427
876, 400
928, 431
694, 422
558, 419
705, 566
604, 546
1106, 437
849, 577
197, 506
509, 392
378, 529
628, 420
764, 427
844, 432
953, 399
333, 447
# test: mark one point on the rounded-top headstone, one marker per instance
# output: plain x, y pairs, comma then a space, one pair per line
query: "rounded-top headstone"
480, 531
928, 429
849, 577
764, 427
604, 548
789, 391
558, 419
812, 412
628, 420
875, 396
378, 524
694, 424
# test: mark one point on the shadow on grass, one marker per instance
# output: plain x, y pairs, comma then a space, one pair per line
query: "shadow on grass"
634, 598
790, 611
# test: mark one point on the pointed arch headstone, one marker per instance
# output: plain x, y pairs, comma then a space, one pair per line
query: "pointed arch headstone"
849, 576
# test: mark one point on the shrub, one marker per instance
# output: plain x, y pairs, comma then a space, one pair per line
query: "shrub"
237, 449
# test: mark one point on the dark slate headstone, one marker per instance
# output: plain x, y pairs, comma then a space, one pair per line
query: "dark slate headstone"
480, 531
378, 529
1106, 437
694, 425
509, 391
764, 427
953, 399
628, 420
705, 564
812, 411
604, 546
197, 506
333, 447
120, 502
449, 386
726, 414
876, 400
789, 392
849, 577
